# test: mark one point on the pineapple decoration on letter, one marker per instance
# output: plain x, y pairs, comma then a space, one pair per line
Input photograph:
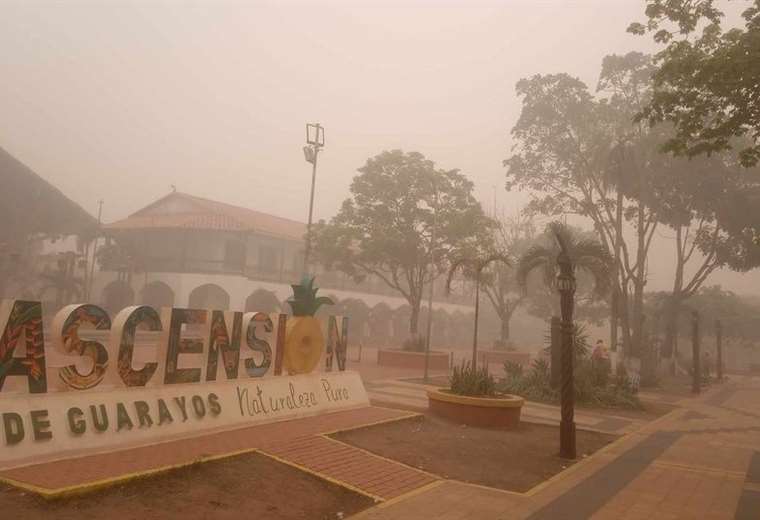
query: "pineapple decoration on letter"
304, 341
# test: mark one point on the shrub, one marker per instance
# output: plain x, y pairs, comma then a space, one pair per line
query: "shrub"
591, 388
475, 382
581, 345
414, 344
513, 369
533, 385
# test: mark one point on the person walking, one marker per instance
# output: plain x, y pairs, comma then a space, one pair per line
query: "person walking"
600, 362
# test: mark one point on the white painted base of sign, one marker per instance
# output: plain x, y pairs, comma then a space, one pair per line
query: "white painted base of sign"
40, 428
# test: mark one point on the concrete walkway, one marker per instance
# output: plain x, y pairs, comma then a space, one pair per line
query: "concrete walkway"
412, 396
701, 461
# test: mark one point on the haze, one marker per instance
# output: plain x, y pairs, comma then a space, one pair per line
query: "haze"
121, 101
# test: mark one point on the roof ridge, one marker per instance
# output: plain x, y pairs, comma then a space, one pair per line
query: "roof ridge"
227, 204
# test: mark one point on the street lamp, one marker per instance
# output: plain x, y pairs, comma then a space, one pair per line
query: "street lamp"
432, 282
315, 141
566, 287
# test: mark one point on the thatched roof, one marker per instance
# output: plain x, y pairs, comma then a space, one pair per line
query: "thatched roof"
31, 205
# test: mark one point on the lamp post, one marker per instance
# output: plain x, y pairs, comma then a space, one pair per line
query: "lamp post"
566, 287
696, 380
315, 141
432, 284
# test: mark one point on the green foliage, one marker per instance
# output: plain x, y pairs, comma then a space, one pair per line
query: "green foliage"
707, 84
513, 369
581, 345
385, 228
474, 382
305, 301
585, 254
590, 388
533, 385
739, 315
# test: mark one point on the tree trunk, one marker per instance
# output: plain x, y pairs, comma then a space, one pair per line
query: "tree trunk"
414, 319
696, 381
672, 312
615, 304
638, 286
625, 321
475, 332
505, 328
637, 316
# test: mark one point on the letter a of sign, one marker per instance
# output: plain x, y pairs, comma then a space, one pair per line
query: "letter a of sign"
23, 321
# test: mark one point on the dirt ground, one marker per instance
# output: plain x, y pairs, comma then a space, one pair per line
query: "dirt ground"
514, 460
247, 486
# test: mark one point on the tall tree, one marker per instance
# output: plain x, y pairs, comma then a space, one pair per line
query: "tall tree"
403, 212
565, 140
626, 82
474, 266
513, 235
707, 82
705, 201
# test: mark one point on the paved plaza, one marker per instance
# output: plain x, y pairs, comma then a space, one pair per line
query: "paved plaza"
701, 461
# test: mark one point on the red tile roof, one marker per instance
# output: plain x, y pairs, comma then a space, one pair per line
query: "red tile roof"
199, 213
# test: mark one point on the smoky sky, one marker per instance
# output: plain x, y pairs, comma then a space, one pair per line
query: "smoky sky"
120, 100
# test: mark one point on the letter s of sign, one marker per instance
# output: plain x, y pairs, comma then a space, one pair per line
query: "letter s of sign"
123, 341
253, 321
66, 338
213, 404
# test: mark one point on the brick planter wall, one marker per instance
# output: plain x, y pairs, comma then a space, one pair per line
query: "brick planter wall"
476, 411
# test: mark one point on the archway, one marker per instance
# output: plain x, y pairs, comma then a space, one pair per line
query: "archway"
117, 295
380, 318
440, 330
358, 313
209, 296
262, 300
400, 323
157, 294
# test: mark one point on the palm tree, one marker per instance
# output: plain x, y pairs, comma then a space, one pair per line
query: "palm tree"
559, 263
474, 267
585, 254
62, 280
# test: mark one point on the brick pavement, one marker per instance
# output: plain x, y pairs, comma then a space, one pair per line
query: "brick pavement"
300, 442
361, 470
701, 461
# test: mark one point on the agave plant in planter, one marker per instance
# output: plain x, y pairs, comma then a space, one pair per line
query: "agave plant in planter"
304, 341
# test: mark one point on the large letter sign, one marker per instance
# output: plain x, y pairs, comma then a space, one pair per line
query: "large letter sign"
150, 375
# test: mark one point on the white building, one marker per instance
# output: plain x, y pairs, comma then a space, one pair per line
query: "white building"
187, 251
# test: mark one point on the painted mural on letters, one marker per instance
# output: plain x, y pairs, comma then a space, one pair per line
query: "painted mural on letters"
208, 370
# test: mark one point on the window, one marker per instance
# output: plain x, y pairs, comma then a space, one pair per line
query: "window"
267, 259
234, 256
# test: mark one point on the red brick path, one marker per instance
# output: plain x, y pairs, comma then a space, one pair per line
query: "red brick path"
299, 442
373, 475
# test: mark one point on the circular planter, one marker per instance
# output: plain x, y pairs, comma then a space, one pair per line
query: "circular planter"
416, 360
484, 412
